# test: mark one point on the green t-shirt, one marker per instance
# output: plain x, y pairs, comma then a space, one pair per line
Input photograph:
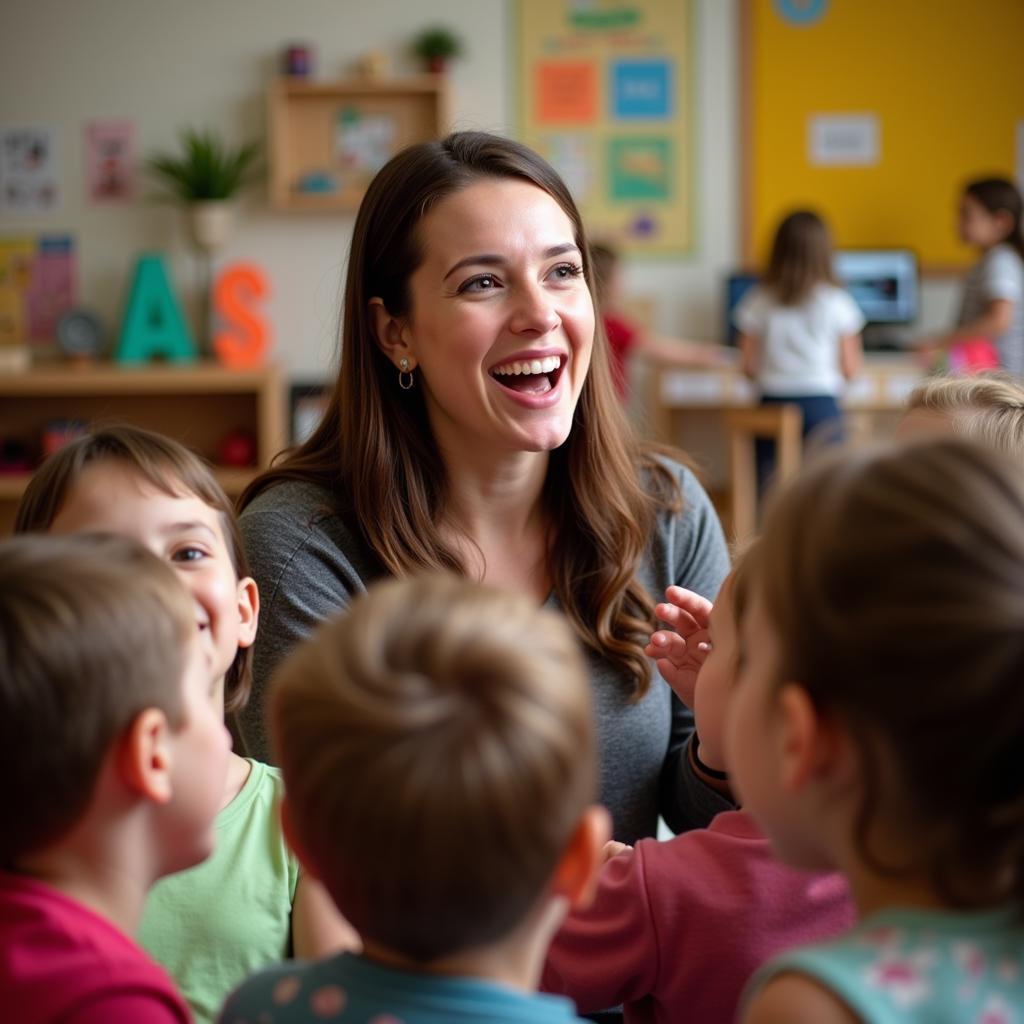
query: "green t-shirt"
215, 924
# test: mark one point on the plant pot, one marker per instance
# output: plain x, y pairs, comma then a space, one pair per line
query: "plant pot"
436, 65
211, 222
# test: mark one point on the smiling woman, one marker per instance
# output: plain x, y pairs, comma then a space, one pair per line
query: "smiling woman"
474, 427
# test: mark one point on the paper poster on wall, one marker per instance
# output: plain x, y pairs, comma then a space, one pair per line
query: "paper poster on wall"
110, 161
363, 144
843, 140
28, 169
37, 286
605, 95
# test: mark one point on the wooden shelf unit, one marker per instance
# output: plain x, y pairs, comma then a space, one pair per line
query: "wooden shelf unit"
197, 404
302, 117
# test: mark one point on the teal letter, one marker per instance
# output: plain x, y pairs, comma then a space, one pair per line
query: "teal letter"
153, 323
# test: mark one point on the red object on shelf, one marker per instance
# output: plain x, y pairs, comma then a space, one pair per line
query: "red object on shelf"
237, 450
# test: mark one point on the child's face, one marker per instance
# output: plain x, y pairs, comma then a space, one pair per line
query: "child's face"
978, 226
200, 750
715, 679
111, 497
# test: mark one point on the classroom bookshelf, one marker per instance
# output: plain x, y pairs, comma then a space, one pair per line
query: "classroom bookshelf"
198, 404
345, 129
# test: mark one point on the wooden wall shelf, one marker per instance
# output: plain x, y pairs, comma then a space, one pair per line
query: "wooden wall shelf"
306, 134
198, 404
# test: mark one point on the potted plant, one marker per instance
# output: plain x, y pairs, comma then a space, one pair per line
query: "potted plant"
436, 46
206, 177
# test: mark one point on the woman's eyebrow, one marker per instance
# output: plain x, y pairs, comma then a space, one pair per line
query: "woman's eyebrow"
493, 260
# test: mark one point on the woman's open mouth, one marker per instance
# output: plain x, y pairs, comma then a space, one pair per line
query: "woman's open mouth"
530, 376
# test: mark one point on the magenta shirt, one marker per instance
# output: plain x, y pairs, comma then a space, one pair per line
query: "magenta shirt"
60, 961
678, 927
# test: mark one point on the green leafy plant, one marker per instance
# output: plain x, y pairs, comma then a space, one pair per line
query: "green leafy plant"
437, 43
207, 168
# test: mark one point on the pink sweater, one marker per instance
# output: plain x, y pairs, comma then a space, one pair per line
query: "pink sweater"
60, 961
678, 927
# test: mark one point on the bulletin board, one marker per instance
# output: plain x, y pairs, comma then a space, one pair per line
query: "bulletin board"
604, 93
875, 113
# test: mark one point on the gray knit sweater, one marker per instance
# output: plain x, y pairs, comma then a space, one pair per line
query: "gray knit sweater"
310, 559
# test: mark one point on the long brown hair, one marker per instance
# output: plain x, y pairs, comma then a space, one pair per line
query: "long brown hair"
997, 195
375, 442
801, 258
895, 581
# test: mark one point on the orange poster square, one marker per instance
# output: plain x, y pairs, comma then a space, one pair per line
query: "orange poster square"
566, 92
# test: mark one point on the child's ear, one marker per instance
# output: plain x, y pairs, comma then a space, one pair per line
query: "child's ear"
248, 611
811, 745
392, 335
577, 871
144, 756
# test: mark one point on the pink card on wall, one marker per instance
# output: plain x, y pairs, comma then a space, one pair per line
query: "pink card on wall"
110, 161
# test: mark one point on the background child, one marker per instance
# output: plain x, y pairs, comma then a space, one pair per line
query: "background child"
677, 928
988, 408
247, 906
113, 757
993, 303
800, 332
627, 338
439, 762
878, 724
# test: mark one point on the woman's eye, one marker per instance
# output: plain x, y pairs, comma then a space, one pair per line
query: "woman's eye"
566, 271
483, 283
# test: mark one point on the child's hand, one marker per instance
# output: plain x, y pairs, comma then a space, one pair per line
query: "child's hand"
612, 849
680, 654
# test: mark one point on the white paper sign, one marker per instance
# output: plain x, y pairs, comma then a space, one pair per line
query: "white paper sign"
843, 140
28, 169
682, 388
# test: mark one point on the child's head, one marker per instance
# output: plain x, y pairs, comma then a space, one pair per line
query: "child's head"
885, 633
123, 479
438, 756
990, 213
604, 258
987, 407
801, 258
102, 671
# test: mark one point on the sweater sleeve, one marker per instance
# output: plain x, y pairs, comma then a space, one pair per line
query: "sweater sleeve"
698, 560
607, 954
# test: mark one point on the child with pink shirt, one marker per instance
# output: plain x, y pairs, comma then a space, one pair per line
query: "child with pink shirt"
678, 927
113, 757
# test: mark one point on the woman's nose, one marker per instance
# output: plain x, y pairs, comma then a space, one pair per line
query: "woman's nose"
534, 312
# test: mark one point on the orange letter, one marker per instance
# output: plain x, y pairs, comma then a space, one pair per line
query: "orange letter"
243, 344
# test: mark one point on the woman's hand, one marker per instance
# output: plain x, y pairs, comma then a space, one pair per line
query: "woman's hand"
680, 651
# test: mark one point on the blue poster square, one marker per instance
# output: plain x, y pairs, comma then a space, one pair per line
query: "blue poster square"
641, 89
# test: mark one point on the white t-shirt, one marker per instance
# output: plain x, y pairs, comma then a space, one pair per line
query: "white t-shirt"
999, 274
799, 344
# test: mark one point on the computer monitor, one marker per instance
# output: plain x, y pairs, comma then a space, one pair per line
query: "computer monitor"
883, 282
736, 286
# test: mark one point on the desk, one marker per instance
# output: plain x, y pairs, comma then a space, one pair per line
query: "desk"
685, 407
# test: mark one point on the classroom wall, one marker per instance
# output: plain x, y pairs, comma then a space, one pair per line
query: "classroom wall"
207, 63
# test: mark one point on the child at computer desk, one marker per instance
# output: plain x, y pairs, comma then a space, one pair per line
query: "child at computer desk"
626, 337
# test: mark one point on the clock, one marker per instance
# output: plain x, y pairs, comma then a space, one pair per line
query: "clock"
80, 334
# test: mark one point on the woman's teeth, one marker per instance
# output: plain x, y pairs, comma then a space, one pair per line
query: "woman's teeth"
529, 366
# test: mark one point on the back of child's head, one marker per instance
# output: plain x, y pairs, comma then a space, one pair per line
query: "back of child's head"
986, 407
894, 583
1001, 195
437, 751
801, 258
93, 630
166, 465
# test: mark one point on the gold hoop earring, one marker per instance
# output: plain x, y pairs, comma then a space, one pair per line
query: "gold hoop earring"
405, 378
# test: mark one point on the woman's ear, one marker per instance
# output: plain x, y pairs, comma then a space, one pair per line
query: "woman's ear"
248, 611
392, 335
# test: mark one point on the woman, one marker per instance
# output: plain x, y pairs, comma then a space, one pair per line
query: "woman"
474, 427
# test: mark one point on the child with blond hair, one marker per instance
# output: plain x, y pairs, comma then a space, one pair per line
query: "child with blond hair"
439, 762
113, 755
877, 728
248, 905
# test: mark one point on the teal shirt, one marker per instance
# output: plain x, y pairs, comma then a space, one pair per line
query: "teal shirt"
920, 966
215, 924
353, 990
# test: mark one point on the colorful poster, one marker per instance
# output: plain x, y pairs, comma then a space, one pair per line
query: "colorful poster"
110, 161
605, 95
363, 144
37, 287
28, 170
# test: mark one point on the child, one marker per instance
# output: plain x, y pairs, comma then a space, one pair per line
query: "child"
113, 756
988, 408
677, 928
800, 332
439, 765
993, 303
247, 906
625, 337
878, 725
